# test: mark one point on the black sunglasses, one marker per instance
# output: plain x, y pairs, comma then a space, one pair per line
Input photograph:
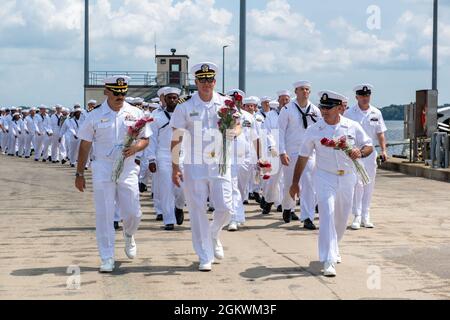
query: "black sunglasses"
205, 80
116, 94
327, 107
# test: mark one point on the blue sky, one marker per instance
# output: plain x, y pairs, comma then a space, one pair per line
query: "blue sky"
327, 42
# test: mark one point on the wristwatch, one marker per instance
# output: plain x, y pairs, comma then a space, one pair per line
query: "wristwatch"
79, 174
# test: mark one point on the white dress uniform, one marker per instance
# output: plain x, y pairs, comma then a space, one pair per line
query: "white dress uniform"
373, 124
201, 172
159, 151
242, 168
5, 140
14, 134
31, 128
3, 133
72, 126
55, 124
272, 190
255, 181
291, 123
22, 138
335, 178
107, 129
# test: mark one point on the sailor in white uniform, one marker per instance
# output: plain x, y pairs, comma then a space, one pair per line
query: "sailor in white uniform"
335, 175
105, 130
371, 119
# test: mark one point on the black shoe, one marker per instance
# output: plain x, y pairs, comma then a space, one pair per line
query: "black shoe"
251, 196
211, 209
267, 208
245, 202
72, 166
27, 157
179, 215
159, 217
317, 209
63, 161
257, 197
44, 160
280, 208
308, 224
36, 160
49, 159
287, 216
54, 162
142, 187
263, 203
116, 225
294, 217
169, 227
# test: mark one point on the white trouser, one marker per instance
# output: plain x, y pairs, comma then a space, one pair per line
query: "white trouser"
4, 141
144, 173
245, 174
74, 147
38, 146
335, 196
55, 147
238, 212
12, 142
170, 196
108, 195
156, 196
363, 194
196, 192
46, 146
21, 144
307, 195
272, 190
117, 214
28, 139
62, 148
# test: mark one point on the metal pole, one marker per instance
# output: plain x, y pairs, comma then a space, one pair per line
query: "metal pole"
242, 45
223, 70
435, 43
86, 47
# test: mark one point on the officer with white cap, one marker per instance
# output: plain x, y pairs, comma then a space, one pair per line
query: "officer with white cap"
335, 174
159, 157
293, 122
371, 119
105, 130
201, 177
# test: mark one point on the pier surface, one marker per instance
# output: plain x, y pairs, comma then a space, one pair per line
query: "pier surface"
47, 243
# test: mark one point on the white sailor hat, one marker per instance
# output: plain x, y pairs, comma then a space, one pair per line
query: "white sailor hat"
16, 114
42, 106
58, 106
117, 83
33, 109
153, 105
284, 93
162, 91
3, 109
345, 99
302, 83
156, 100
129, 99
251, 100
172, 91
92, 102
13, 108
266, 99
364, 89
76, 108
138, 100
65, 110
330, 99
232, 92
205, 70
274, 104
25, 110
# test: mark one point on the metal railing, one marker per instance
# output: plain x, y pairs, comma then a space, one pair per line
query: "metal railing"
144, 78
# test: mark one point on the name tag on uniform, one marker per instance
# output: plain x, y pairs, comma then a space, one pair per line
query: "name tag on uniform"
104, 120
374, 119
247, 124
194, 114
